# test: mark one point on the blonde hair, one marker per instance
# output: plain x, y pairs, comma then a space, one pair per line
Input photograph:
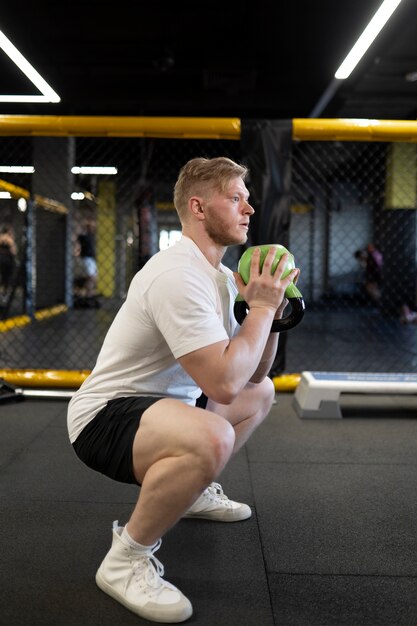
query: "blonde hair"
201, 175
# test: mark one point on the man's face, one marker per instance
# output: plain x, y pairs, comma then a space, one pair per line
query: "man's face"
227, 214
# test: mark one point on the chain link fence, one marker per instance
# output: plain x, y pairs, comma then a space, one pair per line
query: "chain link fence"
80, 237
353, 233
81, 234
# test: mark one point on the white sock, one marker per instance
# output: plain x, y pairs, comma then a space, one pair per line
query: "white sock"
127, 539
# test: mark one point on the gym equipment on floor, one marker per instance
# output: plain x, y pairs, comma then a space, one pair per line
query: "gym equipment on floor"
318, 393
10, 392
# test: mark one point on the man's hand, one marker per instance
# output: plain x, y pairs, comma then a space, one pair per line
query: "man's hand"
266, 289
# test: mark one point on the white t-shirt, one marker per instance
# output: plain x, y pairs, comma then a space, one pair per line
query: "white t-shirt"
177, 303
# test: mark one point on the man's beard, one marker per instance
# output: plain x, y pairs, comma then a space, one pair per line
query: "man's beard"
217, 233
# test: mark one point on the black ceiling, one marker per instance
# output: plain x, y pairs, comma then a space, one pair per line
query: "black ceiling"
260, 59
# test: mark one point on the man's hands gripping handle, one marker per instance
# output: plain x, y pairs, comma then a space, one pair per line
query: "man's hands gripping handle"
266, 278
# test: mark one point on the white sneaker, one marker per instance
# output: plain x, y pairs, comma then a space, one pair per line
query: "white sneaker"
213, 504
134, 578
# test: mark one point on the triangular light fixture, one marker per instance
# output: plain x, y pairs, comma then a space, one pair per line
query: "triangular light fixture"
48, 94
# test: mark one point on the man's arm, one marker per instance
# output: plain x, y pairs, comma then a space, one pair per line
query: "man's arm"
267, 359
271, 348
224, 368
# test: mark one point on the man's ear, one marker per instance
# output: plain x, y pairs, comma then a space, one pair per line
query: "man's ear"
196, 207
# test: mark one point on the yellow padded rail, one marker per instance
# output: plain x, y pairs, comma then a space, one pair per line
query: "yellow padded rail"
68, 379
311, 129
304, 129
72, 379
22, 320
14, 191
18, 192
102, 126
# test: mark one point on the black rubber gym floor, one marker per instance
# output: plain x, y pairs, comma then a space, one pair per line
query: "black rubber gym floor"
332, 540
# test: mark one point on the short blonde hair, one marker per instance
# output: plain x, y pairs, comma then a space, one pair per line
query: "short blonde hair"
200, 175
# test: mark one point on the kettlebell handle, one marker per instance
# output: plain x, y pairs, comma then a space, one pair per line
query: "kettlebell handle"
241, 310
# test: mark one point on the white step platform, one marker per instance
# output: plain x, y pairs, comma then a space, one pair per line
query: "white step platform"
318, 393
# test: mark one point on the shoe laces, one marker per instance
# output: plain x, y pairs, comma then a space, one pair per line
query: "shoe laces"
148, 569
216, 494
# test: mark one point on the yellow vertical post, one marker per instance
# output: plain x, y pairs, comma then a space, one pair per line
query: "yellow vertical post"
401, 176
398, 227
106, 238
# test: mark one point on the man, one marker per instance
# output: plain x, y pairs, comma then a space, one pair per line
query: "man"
142, 416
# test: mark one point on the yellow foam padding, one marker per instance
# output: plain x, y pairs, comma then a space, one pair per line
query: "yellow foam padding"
103, 126
14, 191
44, 314
67, 379
13, 322
46, 203
72, 379
286, 382
22, 320
321, 129
51, 205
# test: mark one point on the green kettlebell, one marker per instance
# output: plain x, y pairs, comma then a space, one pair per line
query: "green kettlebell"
293, 294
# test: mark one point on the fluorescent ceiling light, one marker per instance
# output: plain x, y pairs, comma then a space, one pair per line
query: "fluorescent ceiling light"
376, 24
94, 170
17, 169
48, 94
5, 195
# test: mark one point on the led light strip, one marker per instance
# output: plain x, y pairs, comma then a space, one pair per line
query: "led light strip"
376, 24
48, 94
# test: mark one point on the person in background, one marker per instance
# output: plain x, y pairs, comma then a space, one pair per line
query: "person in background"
408, 315
8, 252
87, 254
372, 261
179, 386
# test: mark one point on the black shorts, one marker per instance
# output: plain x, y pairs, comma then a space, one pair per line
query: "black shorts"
106, 443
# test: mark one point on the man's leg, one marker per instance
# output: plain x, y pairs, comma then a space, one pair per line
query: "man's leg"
178, 450
248, 411
245, 414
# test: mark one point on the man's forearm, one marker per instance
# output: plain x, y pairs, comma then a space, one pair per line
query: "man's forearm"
267, 359
253, 347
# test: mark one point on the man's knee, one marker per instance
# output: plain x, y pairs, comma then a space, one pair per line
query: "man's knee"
268, 391
215, 445
264, 395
